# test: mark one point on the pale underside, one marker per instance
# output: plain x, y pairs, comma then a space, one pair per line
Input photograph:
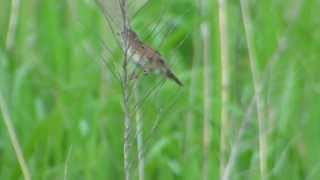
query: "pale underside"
144, 63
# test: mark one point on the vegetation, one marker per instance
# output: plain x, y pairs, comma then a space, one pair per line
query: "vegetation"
61, 102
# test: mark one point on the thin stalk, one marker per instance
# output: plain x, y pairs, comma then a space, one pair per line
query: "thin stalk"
14, 14
192, 94
282, 47
207, 99
13, 138
139, 137
127, 120
66, 164
257, 88
225, 91
207, 108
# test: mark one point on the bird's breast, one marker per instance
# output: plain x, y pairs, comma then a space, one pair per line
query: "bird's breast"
137, 58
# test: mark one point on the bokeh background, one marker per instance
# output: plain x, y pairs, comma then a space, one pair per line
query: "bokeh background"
65, 104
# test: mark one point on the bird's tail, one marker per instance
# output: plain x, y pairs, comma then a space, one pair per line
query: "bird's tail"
173, 77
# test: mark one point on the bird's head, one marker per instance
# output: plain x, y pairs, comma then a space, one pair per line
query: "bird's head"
129, 35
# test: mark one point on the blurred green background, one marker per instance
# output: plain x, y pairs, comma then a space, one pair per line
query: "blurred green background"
66, 106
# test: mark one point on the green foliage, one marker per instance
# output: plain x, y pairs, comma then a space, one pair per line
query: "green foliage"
66, 105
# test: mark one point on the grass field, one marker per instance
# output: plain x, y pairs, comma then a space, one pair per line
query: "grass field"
249, 107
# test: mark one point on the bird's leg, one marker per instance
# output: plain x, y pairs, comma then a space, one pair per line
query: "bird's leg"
137, 72
134, 75
145, 72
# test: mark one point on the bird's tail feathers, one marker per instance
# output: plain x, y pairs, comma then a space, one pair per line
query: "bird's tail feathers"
173, 77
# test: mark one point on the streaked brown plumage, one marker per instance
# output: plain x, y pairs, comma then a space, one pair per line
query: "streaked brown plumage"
146, 57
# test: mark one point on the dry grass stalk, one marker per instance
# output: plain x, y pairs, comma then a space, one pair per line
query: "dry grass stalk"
14, 139
207, 99
14, 14
139, 137
257, 88
207, 109
225, 83
126, 92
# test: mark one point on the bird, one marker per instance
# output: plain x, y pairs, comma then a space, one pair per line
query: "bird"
146, 57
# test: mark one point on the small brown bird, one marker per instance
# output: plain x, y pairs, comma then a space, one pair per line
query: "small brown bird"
146, 57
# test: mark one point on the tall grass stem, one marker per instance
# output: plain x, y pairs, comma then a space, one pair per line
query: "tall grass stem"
257, 90
14, 139
13, 22
225, 91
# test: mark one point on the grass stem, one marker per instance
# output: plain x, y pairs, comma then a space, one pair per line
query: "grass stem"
257, 90
14, 139
139, 137
225, 91
12, 29
207, 99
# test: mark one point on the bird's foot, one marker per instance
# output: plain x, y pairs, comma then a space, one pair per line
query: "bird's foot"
134, 76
